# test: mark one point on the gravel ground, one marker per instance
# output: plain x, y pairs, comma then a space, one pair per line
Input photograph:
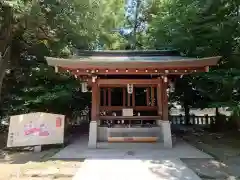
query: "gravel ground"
224, 147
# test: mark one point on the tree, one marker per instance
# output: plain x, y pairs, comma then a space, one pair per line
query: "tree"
186, 95
196, 28
111, 20
39, 88
199, 29
32, 30
137, 19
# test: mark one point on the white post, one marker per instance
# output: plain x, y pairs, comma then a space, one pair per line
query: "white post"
37, 148
56, 69
166, 133
92, 142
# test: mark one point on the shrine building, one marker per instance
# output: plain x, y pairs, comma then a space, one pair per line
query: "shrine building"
130, 91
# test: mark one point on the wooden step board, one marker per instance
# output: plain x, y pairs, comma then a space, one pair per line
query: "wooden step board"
132, 139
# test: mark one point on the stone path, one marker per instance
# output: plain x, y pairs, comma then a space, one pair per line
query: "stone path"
224, 148
79, 150
132, 161
129, 169
208, 168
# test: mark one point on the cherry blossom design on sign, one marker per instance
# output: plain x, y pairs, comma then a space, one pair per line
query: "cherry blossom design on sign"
29, 129
44, 131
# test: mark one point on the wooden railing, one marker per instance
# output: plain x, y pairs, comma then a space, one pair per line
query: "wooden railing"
128, 121
79, 120
174, 119
194, 120
143, 118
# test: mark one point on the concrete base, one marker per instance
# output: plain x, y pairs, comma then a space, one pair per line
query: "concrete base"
92, 141
104, 132
163, 132
133, 146
166, 133
37, 148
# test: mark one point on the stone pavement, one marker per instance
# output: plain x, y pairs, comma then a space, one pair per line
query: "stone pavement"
79, 150
129, 169
209, 168
132, 161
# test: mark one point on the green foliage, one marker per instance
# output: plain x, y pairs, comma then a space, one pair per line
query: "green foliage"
196, 28
199, 28
41, 89
224, 84
110, 19
40, 28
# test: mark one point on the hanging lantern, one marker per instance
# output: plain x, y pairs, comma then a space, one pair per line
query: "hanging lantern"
171, 86
84, 87
94, 79
56, 69
130, 88
165, 79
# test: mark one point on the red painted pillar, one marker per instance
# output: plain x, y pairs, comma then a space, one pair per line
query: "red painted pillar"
95, 101
147, 96
124, 97
160, 98
165, 98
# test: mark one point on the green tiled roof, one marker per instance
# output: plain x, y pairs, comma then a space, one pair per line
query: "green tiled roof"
125, 58
129, 58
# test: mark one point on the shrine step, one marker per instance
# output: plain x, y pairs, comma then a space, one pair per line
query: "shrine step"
129, 145
133, 139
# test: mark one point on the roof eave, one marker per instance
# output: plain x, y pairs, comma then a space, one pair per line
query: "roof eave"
77, 63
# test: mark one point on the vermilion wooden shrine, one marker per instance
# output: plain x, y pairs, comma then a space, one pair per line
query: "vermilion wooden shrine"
148, 72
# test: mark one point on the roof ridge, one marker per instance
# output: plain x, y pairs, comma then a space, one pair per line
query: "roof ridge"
128, 53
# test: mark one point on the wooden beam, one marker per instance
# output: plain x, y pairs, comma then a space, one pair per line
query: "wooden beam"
94, 102
174, 71
159, 98
133, 97
124, 97
127, 81
104, 97
109, 97
128, 99
152, 96
147, 96
165, 100
121, 85
129, 118
98, 102
137, 108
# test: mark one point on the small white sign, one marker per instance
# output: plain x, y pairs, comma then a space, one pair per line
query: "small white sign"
130, 88
127, 112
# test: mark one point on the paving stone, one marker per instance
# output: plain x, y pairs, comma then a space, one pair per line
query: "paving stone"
208, 168
41, 172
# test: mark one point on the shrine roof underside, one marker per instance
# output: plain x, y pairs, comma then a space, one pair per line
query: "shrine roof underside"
132, 59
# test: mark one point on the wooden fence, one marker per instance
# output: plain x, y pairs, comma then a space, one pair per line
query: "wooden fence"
174, 119
194, 120
79, 120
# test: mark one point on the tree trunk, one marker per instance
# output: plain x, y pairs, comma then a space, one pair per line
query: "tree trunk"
217, 113
187, 113
5, 42
134, 43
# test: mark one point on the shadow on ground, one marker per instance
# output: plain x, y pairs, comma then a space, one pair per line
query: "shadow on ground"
223, 146
23, 163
